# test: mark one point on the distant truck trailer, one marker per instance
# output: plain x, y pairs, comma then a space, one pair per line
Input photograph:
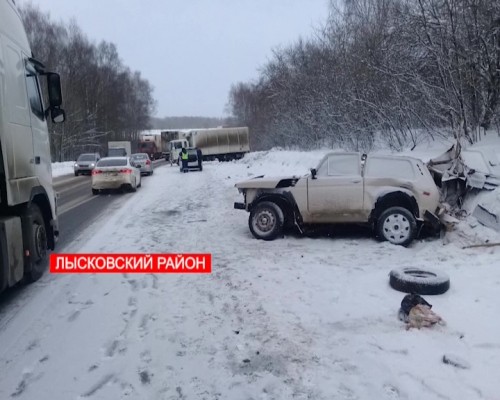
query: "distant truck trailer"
151, 145
119, 149
223, 144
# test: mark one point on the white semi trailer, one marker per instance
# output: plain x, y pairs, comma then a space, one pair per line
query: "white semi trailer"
220, 143
215, 143
28, 210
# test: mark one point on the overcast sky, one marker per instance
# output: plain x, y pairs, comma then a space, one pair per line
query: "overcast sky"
191, 51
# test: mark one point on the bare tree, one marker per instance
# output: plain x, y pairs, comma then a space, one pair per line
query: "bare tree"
103, 99
400, 70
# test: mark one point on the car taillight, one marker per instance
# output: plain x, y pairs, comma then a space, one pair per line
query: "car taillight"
125, 171
148, 162
96, 171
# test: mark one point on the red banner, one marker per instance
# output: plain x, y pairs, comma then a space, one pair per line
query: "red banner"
131, 263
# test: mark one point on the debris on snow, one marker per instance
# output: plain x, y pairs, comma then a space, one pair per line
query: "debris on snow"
477, 168
464, 176
416, 312
422, 316
487, 211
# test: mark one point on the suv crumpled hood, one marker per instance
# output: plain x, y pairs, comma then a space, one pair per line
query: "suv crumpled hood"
261, 182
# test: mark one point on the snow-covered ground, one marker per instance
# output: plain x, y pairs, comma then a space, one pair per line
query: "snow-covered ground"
295, 318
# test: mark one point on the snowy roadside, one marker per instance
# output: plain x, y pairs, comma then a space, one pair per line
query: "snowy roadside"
62, 168
294, 318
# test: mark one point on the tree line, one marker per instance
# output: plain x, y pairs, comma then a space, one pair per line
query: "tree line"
104, 100
187, 122
398, 70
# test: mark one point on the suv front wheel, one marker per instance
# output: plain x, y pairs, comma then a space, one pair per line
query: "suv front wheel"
397, 225
266, 221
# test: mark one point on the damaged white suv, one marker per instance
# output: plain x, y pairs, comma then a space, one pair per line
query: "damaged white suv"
396, 195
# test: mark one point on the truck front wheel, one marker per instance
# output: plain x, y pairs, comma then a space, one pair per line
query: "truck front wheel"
397, 225
266, 221
38, 248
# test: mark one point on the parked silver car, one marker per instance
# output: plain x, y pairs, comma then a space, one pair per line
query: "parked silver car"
143, 160
115, 173
85, 163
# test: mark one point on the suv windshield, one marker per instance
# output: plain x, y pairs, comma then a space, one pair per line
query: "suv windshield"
87, 157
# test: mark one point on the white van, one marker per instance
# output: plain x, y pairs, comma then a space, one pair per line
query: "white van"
28, 219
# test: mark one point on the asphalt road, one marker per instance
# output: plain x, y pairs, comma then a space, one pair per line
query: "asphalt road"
78, 208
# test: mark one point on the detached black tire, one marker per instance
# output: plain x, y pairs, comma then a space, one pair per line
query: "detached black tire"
419, 281
38, 246
266, 221
397, 225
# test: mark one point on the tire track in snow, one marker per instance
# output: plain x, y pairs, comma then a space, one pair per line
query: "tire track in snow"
98, 385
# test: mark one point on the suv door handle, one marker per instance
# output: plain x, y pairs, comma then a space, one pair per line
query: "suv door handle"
356, 181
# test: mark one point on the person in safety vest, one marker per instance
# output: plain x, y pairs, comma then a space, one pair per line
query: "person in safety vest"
184, 159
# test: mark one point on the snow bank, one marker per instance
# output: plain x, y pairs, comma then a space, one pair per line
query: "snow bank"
62, 168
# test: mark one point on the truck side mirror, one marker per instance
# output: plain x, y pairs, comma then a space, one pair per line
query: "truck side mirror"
54, 89
313, 173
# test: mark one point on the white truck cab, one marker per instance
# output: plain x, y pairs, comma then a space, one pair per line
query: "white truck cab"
28, 210
175, 147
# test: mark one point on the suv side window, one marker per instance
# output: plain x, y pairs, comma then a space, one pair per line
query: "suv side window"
389, 168
340, 165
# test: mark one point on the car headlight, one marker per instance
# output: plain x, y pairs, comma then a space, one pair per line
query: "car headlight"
76, 165
92, 165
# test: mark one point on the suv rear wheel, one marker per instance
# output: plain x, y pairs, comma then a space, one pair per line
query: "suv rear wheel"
397, 225
266, 221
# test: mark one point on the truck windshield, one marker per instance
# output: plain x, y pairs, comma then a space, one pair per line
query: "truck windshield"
117, 152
